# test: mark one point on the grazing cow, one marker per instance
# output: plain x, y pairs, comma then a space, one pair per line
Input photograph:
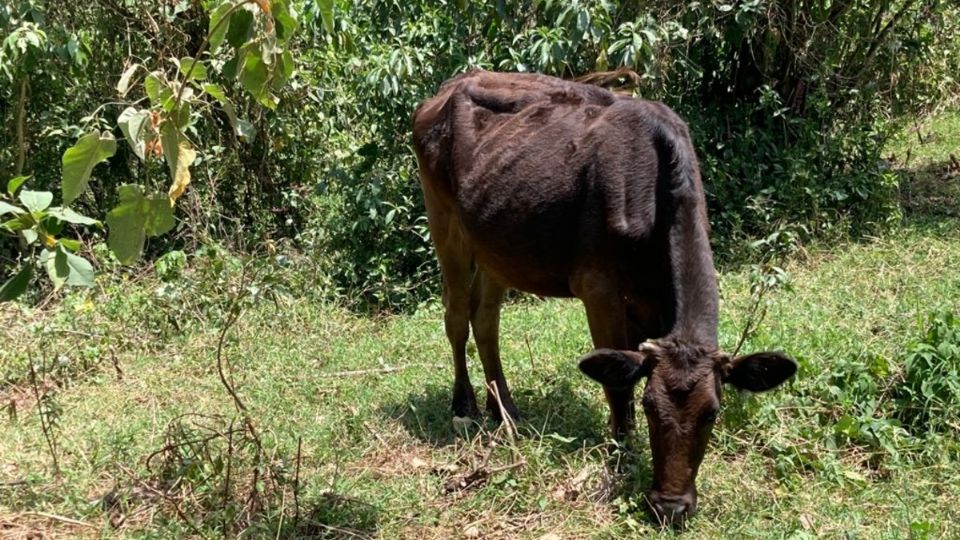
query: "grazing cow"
569, 190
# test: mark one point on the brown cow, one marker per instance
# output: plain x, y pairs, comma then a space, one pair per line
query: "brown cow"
565, 189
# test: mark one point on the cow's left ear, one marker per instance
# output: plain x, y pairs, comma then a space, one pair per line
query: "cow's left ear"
759, 372
617, 369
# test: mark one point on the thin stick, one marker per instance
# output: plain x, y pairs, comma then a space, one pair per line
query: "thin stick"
361, 372
296, 484
44, 425
526, 339
62, 519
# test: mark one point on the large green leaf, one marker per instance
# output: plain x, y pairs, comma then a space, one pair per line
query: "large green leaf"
219, 25
284, 20
254, 78
64, 267
16, 285
80, 159
241, 27
36, 201
326, 14
57, 275
135, 218
135, 127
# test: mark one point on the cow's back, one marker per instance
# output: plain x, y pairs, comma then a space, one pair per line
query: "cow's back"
547, 176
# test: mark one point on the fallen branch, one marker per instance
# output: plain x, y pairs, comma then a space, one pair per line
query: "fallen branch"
61, 519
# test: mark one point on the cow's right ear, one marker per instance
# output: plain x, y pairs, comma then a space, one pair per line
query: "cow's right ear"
617, 369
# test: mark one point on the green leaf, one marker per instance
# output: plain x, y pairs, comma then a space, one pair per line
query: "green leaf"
70, 216
218, 26
158, 90
135, 218
48, 260
123, 85
79, 270
193, 70
71, 244
30, 235
284, 20
135, 127
65, 268
16, 285
229, 69
14, 184
215, 91
283, 71
152, 85
19, 223
36, 201
241, 27
326, 14
170, 142
7, 208
254, 79
80, 159
182, 115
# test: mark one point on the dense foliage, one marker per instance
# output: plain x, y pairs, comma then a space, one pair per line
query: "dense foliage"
790, 104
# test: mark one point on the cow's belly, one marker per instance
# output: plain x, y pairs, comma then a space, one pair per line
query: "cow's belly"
524, 273
527, 245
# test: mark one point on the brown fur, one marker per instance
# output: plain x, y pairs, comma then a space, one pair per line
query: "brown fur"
565, 189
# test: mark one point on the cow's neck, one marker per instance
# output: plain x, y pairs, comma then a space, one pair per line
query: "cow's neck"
693, 275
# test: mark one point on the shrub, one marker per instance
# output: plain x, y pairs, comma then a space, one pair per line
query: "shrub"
929, 396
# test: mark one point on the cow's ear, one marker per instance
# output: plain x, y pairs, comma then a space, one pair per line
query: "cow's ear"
616, 369
759, 372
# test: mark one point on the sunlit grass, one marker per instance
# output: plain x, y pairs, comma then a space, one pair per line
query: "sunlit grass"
370, 400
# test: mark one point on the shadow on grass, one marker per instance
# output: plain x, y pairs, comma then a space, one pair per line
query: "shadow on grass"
930, 193
555, 413
330, 517
553, 410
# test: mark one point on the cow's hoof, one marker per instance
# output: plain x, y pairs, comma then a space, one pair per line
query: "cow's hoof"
465, 403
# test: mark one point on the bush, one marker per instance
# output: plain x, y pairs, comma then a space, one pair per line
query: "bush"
790, 104
929, 397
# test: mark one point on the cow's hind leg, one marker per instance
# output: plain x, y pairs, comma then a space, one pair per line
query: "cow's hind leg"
486, 297
456, 302
455, 260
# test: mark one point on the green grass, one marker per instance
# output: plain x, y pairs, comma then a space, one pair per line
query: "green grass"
929, 153
129, 374
370, 400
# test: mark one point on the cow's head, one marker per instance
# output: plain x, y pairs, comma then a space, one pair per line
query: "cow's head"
681, 401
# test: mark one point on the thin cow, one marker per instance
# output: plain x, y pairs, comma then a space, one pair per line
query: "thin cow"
569, 190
